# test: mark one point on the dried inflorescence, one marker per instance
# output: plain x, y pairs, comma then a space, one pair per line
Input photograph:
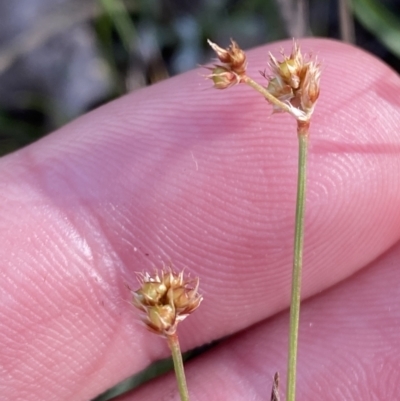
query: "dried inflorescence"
293, 85
166, 298
233, 66
296, 81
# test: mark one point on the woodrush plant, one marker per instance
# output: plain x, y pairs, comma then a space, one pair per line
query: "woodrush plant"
168, 298
293, 87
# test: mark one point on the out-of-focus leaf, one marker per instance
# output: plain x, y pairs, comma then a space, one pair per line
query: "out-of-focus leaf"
380, 21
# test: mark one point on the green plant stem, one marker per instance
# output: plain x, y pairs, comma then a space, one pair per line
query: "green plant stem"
271, 98
173, 343
302, 131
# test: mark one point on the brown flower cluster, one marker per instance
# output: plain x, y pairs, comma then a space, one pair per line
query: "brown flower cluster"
296, 81
166, 299
293, 85
233, 67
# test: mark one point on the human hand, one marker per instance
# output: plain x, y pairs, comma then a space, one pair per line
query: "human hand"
207, 179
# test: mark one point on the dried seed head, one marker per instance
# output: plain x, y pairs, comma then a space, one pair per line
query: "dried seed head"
290, 69
233, 57
166, 298
233, 66
295, 81
223, 78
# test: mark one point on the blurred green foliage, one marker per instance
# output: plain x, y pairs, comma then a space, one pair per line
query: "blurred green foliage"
381, 22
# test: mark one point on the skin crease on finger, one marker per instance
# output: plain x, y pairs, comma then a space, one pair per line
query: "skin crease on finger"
349, 348
204, 178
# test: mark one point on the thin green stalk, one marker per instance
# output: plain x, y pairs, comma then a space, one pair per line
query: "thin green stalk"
271, 98
173, 343
302, 130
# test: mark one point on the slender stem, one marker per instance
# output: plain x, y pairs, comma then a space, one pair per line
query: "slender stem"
271, 98
173, 343
302, 130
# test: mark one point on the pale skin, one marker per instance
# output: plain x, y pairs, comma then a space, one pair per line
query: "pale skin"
205, 178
